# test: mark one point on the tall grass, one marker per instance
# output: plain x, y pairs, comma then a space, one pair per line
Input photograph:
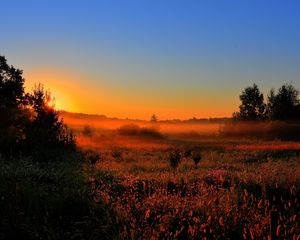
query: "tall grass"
229, 196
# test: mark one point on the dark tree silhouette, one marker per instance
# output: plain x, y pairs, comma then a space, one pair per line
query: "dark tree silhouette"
153, 118
284, 105
28, 123
253, 106
46, 130
12, 106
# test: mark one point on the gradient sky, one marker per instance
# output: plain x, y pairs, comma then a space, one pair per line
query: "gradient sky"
177, 59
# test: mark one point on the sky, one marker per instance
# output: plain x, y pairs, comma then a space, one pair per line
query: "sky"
134, 58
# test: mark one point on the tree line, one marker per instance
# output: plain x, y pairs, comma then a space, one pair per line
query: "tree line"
282, 105
29, 124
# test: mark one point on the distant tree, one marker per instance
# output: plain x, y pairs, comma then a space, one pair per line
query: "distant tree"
284, 105
12, 106
153, 118
252, 107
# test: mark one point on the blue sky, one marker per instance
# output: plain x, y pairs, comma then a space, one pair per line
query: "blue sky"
175, 58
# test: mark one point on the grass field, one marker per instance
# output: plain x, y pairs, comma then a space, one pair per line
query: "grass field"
141, 182
228, 195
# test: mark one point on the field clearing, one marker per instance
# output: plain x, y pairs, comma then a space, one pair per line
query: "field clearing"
228, 195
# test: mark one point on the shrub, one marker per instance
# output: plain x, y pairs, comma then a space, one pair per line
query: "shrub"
150, 133
129, 130
92, 157
174, 158
117, 154
87, 131
187, 153
196, 155
135, 130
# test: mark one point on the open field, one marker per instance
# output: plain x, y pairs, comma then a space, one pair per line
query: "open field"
228, 195
136, 180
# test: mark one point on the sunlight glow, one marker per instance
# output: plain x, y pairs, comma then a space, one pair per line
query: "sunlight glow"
73, 93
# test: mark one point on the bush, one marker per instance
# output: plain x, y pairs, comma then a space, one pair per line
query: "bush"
196, 155
135, 130
116, 154
92, 157
187, 152
87, 131
174, 158
129, 130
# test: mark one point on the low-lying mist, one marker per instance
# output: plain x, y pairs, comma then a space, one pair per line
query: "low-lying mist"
276, 130
128, 132
139, 127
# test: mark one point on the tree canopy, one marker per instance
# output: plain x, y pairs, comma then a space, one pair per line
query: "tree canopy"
12, 99
252, 106
283, 105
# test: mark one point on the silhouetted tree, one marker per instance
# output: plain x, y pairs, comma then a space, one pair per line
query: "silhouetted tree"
12, 106
153, 118
46, 131
284, 105
253, 106
28, 123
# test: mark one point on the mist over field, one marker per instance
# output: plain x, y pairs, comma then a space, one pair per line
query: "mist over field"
166, 127
202, 178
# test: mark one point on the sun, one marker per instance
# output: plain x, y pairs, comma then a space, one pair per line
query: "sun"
59, 84
61, 100
57, 104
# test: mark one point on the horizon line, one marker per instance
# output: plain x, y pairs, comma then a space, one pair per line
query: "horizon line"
138, 119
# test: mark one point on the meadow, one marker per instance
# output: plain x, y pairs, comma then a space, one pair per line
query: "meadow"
229, 194
130, 179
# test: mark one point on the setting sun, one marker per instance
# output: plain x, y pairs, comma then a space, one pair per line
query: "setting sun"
71, 94
58, 83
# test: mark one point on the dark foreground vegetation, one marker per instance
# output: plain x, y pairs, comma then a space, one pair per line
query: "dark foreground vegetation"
51, 200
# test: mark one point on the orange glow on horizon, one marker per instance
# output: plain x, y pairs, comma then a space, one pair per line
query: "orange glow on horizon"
72, 93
